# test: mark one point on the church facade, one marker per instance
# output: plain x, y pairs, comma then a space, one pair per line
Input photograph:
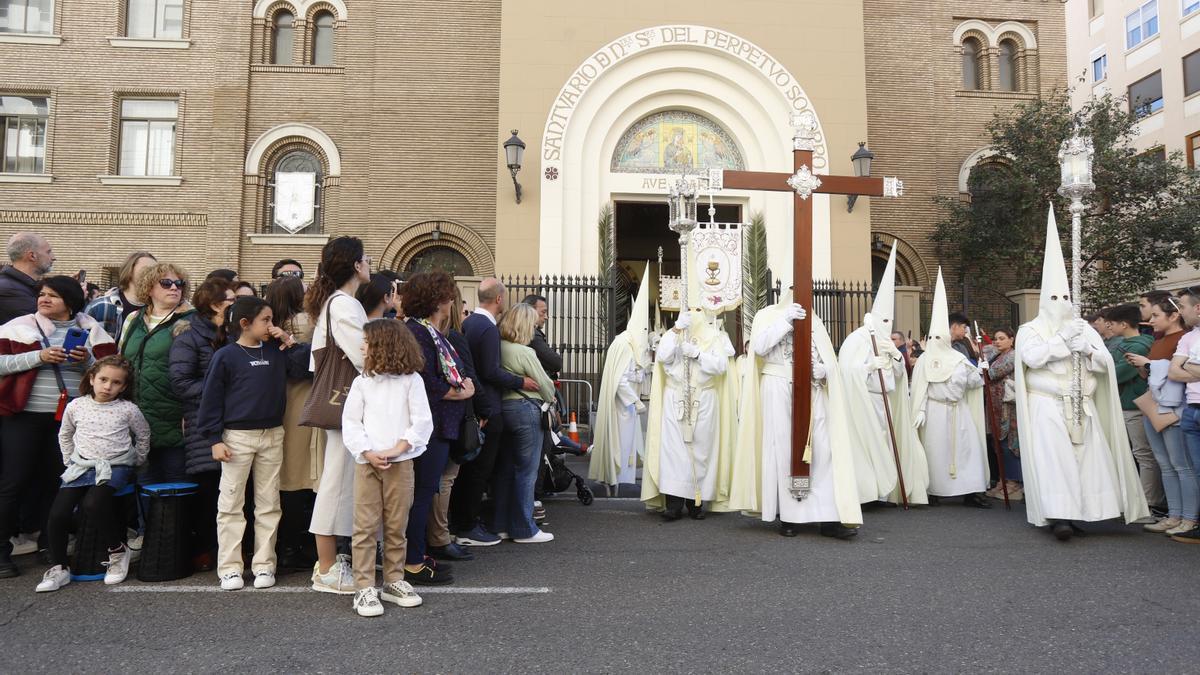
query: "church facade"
218, 139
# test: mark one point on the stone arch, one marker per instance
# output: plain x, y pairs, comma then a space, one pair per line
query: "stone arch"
650, 70
910, 266
1018, 31
300, 8
454, 235
258, 149
974, 28
981, 155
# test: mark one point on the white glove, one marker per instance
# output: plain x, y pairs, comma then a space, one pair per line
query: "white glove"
1077, 343
1070, 330
684, 321
639, 407
984, 365
881, 362
796, 313
691, 350
918, 420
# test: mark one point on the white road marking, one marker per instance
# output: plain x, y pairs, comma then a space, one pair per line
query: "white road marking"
448, 590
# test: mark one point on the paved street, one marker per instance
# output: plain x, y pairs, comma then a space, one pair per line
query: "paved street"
947, 589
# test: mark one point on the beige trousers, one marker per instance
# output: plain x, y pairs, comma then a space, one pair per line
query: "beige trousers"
381, 497
438, 529
1148, 470
257, 453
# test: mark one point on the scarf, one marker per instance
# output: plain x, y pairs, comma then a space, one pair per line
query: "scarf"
447, 357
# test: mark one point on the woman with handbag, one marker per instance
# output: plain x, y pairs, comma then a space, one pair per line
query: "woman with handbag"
146, 340
1002, 394
428, 298
517, 465
37, 379
1161, 405
336, 360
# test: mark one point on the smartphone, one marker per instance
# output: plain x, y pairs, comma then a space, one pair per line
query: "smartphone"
76, 337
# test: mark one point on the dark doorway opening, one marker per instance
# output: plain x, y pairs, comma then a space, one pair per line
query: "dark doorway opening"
641, 227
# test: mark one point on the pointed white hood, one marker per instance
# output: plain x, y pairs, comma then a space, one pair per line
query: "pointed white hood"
940, 359
638, 328
1054, 305
883, 311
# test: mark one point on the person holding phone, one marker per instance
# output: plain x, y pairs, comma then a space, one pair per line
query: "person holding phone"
39, 378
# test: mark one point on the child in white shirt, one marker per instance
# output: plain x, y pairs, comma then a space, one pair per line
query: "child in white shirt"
385, 424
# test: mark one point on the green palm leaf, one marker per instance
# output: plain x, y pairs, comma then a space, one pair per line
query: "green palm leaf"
756, 275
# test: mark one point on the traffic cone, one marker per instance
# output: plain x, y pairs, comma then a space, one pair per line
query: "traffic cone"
573, 430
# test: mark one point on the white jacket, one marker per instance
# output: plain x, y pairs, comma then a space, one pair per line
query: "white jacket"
383, 409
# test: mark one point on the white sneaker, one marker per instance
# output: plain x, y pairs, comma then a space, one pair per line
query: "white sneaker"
339, 580
118, 566
539, 538
24, 544
55, 578
504, 536
232, 581
264, 579
401, 593
366, 602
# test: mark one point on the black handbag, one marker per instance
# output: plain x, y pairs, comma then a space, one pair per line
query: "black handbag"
470, 438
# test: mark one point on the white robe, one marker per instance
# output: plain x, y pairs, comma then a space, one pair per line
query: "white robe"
629, 423
957, 457
775, 347
1074, 482
683, 467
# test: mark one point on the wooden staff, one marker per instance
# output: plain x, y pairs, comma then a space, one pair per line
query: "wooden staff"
887, 413
993, 425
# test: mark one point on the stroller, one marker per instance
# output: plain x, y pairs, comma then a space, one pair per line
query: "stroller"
555, 476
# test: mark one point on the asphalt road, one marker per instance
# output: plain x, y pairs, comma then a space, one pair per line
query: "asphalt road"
946, 589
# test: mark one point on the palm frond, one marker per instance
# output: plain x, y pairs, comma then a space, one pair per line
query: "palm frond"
756, 274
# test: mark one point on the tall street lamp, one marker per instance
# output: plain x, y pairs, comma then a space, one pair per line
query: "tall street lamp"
1075, 155
514, 152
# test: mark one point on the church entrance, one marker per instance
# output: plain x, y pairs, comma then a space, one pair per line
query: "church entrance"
641, 228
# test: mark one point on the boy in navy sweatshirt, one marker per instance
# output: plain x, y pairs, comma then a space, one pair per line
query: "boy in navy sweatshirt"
241, 414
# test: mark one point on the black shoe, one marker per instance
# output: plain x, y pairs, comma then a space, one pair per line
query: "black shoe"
695, 511
788, 529
674, 510
428, 577
451, 551
977, 500
293, 559
1062, 530
8, 568
935, 500
838, 531
1077, 530
43, 556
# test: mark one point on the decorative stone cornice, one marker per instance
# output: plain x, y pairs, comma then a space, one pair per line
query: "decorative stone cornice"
97, 218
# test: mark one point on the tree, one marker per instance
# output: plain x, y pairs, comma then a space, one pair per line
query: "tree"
1140, 222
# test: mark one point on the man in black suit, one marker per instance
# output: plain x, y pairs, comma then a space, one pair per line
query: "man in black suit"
484, 340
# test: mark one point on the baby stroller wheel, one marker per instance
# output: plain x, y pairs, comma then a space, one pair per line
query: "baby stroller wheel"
585, 495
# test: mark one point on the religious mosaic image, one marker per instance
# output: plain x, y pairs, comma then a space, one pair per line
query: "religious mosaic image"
675, 141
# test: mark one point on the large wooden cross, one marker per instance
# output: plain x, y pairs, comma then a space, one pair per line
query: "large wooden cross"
803, 183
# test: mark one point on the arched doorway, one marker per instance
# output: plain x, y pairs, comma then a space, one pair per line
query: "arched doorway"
444, 244
439, 259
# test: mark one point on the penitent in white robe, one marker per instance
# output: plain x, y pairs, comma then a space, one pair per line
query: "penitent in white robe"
957, 456
775, 347
684, 466
1074, 482
629, 423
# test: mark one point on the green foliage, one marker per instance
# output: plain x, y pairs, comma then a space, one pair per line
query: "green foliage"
756, 291
1139, 223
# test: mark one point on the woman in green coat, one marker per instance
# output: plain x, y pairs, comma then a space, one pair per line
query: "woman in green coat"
146, 341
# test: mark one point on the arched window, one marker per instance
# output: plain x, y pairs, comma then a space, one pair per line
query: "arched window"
282, 38
294, 203
1008, 66
322, 39
440, 259
970, 63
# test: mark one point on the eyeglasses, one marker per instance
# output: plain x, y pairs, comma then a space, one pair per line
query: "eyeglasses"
166, 284
299, 274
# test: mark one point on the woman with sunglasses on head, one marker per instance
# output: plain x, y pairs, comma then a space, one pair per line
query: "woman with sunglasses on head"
199, 336
146, 340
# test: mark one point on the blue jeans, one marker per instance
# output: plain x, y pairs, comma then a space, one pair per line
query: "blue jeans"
1178, 477
1189, 425
427, 479
517, 469
1012, 463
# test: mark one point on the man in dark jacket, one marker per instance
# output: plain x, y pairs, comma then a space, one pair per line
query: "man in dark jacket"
552, 361
484, 340
31, 258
